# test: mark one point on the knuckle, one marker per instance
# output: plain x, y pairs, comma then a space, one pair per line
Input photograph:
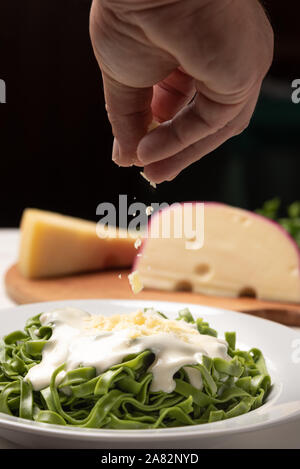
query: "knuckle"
214, 116
177, 135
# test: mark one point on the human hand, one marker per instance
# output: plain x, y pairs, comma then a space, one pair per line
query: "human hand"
196, 66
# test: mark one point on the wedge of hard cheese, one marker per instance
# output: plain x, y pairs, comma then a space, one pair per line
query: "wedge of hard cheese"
243, 254
56, 245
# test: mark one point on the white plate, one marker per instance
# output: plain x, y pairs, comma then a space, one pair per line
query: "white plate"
278, 344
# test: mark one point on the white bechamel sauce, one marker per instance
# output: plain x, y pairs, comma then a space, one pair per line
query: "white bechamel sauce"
75, 344
194, 376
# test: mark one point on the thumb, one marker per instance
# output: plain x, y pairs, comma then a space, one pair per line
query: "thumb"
129, 112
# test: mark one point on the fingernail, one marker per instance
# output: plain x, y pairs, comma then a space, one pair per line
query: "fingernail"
116, 151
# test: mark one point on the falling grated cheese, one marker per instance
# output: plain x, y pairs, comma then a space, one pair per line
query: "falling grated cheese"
138, 243
149, 211
150, 182
154, 124
135, 282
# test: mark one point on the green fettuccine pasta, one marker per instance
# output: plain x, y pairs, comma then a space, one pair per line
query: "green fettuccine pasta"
120, 397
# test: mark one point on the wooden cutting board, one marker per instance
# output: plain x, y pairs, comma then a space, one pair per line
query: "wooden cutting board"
108, 285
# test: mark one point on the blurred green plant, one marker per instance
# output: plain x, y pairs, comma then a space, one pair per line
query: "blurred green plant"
291, 222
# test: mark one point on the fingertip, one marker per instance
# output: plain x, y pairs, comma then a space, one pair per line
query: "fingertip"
143, 150
148, 147
119, 158
138, 164
159, 173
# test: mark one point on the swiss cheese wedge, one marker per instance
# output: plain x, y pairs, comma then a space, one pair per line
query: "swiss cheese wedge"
56, 245
243, 254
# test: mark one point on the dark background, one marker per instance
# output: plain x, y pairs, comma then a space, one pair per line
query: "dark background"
55, 140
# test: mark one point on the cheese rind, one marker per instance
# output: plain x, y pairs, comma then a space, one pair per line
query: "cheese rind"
55, 245
244, 254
